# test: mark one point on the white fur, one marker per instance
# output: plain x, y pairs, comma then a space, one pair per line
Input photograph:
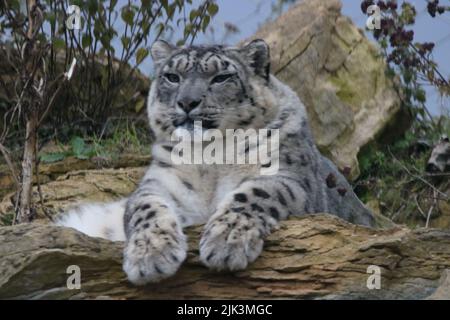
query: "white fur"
97, 220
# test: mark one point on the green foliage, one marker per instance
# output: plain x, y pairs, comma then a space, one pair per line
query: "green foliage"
412, 61
77, 148
102, 70
394, 174
126, 137
7, 219
52, 157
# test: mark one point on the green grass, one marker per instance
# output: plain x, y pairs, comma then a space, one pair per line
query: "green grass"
125, 137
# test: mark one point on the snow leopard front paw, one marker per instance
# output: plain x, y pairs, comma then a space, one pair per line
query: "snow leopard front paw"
232, 240
154, 252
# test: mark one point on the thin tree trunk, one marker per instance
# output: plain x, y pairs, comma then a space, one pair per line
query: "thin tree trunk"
23, 209
24, 212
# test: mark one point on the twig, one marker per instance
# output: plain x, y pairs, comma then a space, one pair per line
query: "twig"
443, 174
10, 164
443, 79
419, 207
431, 209
66, 77
417, 177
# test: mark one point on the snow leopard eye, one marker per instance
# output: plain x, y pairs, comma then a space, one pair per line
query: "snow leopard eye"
172, 77
221, 78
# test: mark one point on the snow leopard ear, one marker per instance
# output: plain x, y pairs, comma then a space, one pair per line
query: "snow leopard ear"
161, 50
257, 55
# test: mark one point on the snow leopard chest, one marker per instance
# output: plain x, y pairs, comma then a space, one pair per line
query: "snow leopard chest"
197, 189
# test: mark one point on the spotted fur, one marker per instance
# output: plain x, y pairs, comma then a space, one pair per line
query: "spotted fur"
225, 88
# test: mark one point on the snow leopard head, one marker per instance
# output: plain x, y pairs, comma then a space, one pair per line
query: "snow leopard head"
223, 87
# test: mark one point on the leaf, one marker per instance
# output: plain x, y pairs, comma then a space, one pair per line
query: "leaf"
141, 54
112, 4
205, 22
15, 4
105, 40
98, 28
139, 105
77, 144
86, 40
194, 13
58, 43
125, 41
127, 16
171, 10
146, 4
82, 156
92, 7
160, 28
52, 157
212, 8
165, 5
145, 27
420, 95
88, 152
188, 30
407, 76
51, 17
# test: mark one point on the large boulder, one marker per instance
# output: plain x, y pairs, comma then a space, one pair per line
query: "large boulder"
338, 74
313, 257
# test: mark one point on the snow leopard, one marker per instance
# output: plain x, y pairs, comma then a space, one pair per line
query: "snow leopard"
224, 87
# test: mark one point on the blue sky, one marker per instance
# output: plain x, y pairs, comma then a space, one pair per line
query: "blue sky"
248, 15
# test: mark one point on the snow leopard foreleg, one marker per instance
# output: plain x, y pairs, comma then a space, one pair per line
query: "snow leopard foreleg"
155, 245
234, 235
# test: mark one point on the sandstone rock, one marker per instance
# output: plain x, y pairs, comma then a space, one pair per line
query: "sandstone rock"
82, 186
314, 257
51, 171
443, 291
339, 75
75, 187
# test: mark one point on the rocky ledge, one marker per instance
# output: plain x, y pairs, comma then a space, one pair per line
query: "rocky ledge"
312, 257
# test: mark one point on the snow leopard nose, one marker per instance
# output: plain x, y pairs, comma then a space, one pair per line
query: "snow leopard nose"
188, 104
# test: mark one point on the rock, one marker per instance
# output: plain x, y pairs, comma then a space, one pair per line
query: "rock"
75, 187
443, 291
319, 256
443, 219
339, 75
51, 171
381, 221
80, 186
